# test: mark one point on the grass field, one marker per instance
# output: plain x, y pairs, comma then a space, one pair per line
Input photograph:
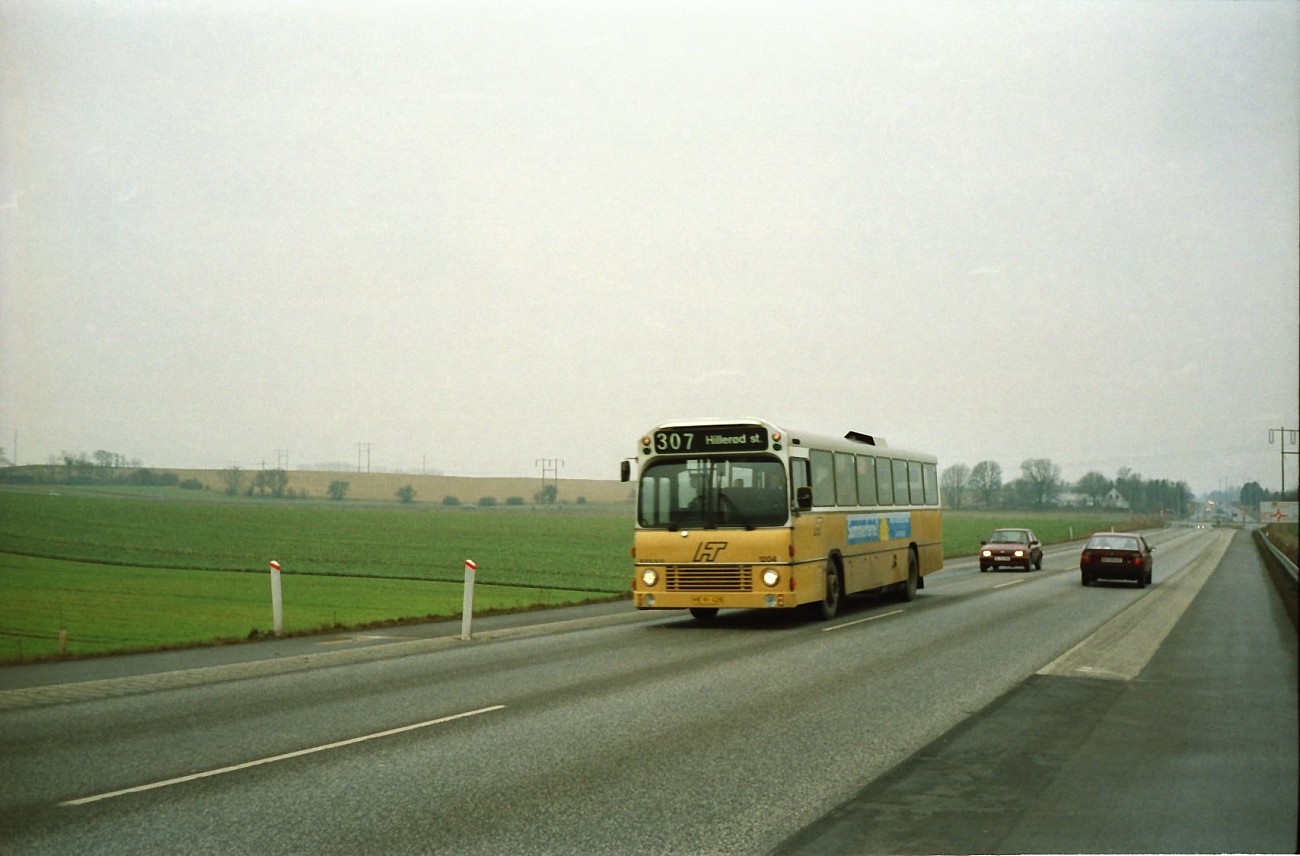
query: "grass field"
138, 572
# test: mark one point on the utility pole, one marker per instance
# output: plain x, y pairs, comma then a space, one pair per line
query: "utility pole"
363, 447
551, 465
282, 459
1284, 436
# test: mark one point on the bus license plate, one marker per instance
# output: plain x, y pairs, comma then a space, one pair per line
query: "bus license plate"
707, 600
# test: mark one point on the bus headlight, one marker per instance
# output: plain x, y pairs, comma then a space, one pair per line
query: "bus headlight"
771, 576
649, 577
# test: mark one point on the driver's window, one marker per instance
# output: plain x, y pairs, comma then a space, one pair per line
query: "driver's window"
798, 476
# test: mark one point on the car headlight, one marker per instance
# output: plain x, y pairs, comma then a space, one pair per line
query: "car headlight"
649, 577
988, 554
1020, 554
771, 576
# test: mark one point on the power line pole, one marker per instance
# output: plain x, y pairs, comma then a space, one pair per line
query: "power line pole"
363, 447
551, 465
1284, 436
282, 459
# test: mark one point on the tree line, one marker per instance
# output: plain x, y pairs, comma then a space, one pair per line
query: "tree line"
1040, 486
101, 467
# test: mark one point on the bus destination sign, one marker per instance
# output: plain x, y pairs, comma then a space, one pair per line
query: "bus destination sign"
710, 439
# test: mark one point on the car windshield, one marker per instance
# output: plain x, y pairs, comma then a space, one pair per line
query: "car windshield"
1008, 536
1112, 542
708, 493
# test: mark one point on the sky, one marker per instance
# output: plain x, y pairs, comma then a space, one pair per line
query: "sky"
474, 237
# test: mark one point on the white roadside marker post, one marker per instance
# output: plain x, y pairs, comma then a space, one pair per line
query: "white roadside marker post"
467, 610
277, 602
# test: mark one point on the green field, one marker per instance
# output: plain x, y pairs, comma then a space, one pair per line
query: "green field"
124, 572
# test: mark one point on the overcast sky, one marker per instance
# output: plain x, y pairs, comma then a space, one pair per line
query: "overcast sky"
474, 235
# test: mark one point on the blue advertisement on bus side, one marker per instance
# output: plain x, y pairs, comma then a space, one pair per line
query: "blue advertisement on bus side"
868, 528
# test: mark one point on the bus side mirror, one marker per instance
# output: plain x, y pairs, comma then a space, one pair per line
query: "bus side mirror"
803, 498
625, 471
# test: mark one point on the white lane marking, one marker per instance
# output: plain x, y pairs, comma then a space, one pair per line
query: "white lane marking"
1012, 583
274, 758
860, 620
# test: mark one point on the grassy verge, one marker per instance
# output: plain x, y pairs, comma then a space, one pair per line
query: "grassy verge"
109, 608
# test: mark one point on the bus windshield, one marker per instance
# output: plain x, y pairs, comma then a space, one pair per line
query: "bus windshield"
712, 492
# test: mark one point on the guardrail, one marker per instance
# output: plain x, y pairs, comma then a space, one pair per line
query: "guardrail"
1282, 559
1282, 572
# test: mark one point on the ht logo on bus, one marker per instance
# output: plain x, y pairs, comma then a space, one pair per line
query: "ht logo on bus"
709, 550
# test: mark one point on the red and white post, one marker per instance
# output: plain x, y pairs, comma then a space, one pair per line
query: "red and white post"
467, 609
277, 602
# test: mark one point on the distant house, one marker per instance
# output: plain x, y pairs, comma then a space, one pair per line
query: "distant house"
1115, 499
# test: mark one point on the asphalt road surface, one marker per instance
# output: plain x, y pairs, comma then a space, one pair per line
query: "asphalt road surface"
1001, 712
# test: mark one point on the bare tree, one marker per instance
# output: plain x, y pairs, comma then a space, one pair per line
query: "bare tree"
986, 480
233, 478
1042, 480
953, 483
1095, 486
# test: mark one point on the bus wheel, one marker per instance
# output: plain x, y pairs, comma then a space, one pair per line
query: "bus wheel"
908, 592
704, 613
829, 606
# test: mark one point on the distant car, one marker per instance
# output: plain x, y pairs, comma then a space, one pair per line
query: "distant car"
1011, 548
1116, 556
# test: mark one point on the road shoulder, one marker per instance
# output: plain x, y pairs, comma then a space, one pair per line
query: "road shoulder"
1198, 753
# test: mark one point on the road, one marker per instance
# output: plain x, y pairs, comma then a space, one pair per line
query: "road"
974, 719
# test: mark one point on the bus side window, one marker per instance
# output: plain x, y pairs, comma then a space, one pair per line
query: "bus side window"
914, 482
884, 481
846, 481
931, 484
900, 483
823, 477
866, 480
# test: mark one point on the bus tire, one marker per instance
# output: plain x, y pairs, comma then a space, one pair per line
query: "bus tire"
704, 613
907, 593
829, 606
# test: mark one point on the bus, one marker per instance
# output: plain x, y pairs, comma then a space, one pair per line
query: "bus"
743, 513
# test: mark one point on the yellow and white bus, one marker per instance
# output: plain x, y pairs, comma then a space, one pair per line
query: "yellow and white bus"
743, 513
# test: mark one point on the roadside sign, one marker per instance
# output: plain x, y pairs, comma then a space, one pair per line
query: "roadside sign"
1279, 512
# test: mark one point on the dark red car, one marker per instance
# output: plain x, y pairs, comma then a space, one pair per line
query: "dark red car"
1116, 556
1012, 548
